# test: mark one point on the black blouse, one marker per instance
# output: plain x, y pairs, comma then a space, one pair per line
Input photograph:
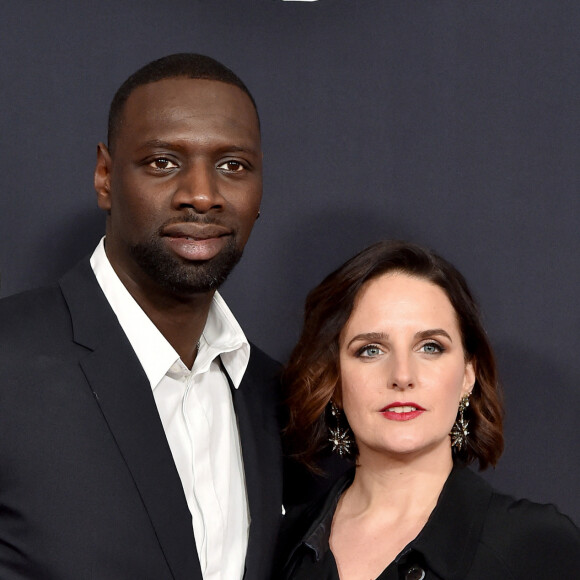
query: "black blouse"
474, 533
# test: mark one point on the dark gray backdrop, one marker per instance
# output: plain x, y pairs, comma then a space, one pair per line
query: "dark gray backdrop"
454, 124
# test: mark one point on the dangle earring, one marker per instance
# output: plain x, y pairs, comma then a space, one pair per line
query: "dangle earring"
459, 431
339, 436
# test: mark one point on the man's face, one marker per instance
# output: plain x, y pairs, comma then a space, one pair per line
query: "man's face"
182, 185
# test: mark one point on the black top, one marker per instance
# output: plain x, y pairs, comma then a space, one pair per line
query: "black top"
474, 533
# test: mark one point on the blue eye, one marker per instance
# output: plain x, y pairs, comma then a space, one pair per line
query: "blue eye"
369, 351
432, 348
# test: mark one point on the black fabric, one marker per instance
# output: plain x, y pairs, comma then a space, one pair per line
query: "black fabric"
88, 486
474, 533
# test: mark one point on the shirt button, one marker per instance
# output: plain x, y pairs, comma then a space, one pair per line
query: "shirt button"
415, 573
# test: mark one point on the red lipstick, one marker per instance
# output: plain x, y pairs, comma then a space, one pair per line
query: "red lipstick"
398, 411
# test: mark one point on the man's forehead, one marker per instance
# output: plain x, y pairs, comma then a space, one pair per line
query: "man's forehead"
185, 110
185, 91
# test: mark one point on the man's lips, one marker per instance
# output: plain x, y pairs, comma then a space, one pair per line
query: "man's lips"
195, 231
402, 411
196, 242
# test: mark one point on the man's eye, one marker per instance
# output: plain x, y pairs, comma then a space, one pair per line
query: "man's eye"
162, 163
231, 166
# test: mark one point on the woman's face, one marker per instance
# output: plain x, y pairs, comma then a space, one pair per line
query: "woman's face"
403, 369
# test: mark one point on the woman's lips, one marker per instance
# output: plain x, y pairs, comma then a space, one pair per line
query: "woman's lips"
401, 411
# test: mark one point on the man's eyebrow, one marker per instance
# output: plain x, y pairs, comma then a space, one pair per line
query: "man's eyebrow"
153, 144
433, 332
157, 143
161, 144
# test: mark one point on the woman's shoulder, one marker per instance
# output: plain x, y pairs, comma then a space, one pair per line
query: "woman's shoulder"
529, 513
533, 540
522, 517
477, 532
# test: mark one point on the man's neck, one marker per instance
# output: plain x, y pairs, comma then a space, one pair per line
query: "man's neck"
180, 318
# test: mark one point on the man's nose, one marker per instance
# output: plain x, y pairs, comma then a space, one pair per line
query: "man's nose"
198, 188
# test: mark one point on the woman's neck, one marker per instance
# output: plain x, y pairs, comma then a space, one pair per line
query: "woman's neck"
385, 508
398, 486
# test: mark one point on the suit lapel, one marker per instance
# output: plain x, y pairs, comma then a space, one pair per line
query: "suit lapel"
254, 404
121, 389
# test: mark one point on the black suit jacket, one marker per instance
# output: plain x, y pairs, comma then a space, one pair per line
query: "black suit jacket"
88, 486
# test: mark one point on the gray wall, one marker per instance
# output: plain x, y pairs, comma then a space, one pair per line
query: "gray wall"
454, 124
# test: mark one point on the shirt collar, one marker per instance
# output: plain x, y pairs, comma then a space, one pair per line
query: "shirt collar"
317, 536
222, 335
448, 541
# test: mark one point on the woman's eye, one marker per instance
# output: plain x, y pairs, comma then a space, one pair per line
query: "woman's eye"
432, 348
231, 166
369, 351
162, 163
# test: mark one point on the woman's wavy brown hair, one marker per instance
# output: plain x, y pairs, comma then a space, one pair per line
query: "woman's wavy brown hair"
312, 374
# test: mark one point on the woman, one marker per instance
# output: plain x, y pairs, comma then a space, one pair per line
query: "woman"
394, 367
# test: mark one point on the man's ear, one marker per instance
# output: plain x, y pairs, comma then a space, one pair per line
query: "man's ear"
103, 177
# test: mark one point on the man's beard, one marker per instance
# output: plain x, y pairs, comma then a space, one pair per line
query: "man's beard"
183, 277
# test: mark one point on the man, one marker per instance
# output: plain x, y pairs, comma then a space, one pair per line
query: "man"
138, 431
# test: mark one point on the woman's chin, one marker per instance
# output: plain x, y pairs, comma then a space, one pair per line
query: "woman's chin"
405, 451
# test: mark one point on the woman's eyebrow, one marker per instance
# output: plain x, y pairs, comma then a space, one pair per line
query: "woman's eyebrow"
433, 332
370, 336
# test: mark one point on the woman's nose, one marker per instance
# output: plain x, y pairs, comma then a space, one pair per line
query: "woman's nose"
401, 372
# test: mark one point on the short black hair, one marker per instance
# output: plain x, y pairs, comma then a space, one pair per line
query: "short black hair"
187, 65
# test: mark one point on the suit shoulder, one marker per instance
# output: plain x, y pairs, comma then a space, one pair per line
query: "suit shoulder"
534, 540
29, 298
30, 310
265, 362
35, 328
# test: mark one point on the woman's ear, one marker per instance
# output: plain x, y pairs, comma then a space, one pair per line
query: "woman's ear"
336, 396
468, 378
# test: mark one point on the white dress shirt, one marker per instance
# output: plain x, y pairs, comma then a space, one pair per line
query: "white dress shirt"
197, 413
